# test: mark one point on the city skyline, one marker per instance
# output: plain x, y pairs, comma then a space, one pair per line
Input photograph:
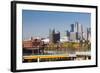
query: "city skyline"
38, 23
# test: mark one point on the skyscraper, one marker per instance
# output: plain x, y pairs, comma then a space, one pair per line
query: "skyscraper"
88, 33
73, 36
78, 27
54, 36
72, 28
76, 32
50, 35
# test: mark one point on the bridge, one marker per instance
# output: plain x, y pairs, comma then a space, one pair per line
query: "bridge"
39, 58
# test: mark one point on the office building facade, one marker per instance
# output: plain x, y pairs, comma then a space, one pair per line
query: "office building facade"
54, 37
77, 33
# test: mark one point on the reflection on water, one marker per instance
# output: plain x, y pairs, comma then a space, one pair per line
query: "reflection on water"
42, 55
38, 51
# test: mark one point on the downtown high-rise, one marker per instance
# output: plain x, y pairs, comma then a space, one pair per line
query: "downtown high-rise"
77, 33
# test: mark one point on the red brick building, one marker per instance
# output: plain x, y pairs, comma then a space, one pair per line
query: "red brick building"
33, 43
27, 44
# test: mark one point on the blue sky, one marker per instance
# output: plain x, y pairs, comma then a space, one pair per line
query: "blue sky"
38, 23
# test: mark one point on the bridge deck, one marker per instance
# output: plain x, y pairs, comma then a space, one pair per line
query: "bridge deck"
45, 56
